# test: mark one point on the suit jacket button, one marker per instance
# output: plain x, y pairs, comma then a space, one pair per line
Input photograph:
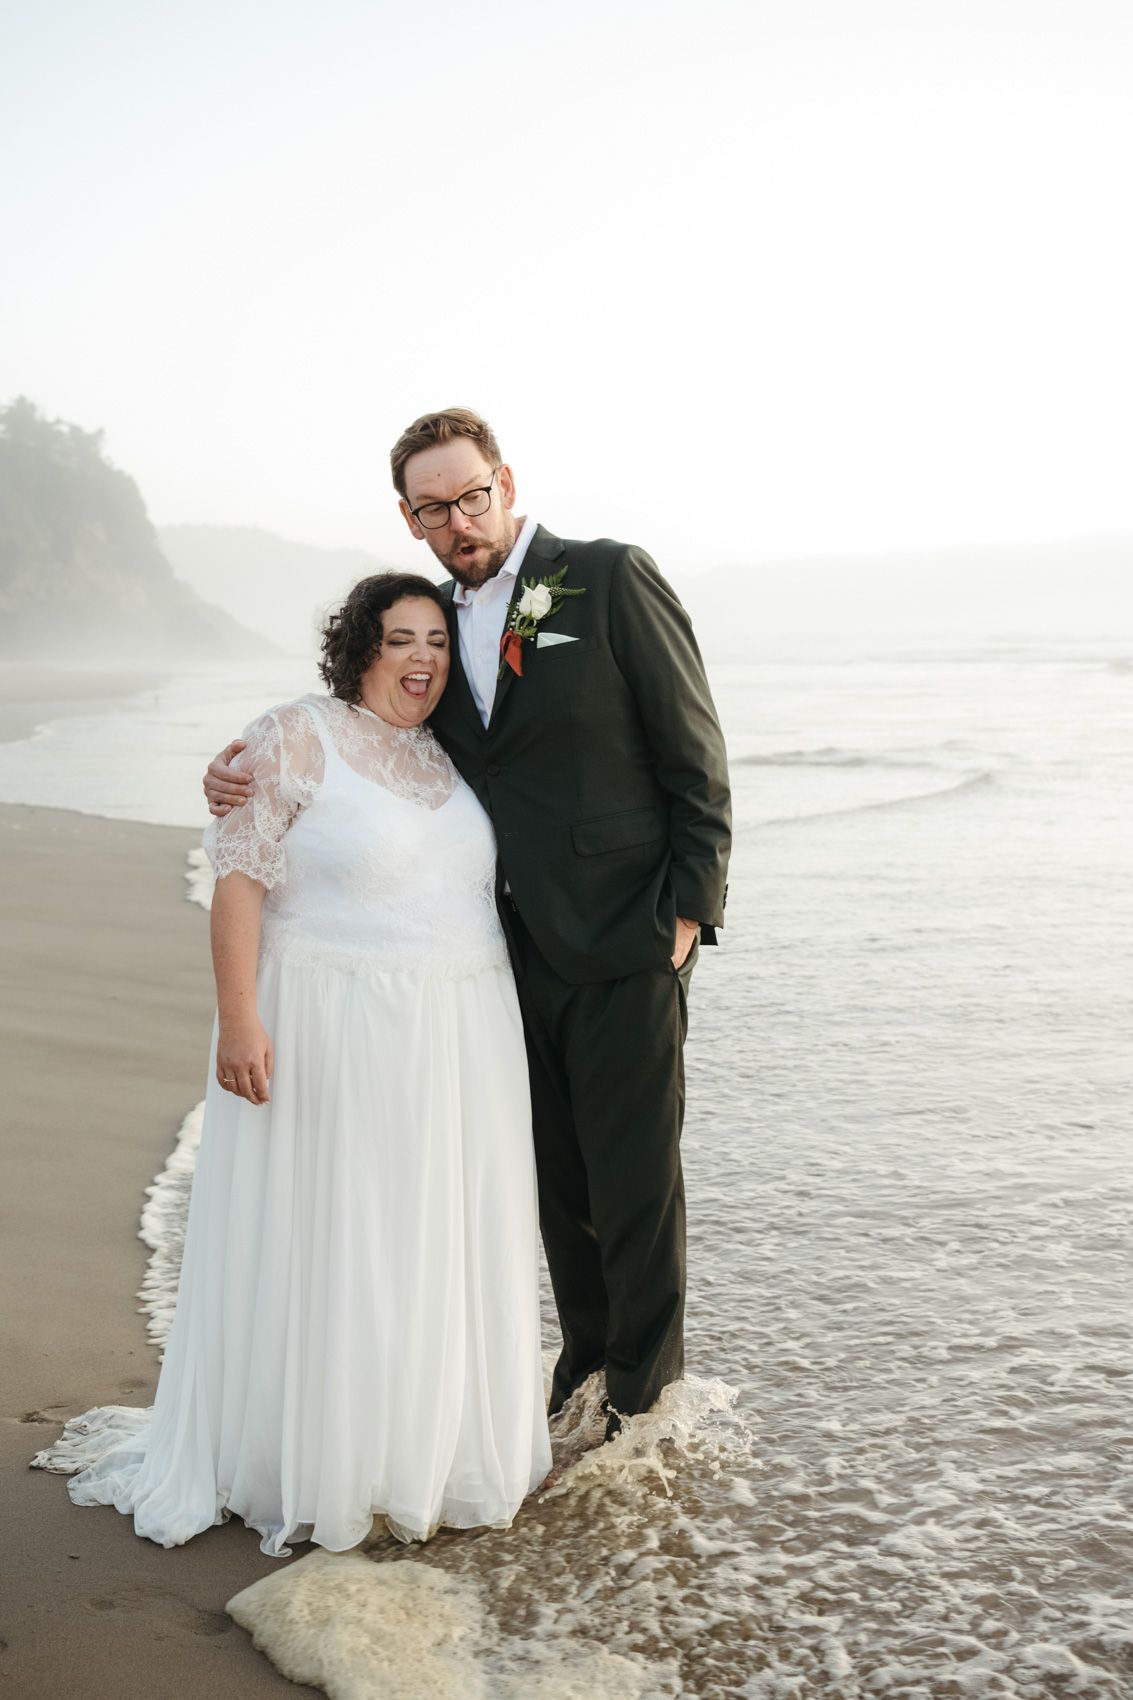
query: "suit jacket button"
493, 770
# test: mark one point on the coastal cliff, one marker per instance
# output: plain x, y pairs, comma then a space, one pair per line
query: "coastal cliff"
82, 573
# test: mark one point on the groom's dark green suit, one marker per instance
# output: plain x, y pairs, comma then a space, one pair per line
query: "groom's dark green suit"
604, 771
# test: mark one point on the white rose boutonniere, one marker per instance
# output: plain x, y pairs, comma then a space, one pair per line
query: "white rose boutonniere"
537, 601
540, 599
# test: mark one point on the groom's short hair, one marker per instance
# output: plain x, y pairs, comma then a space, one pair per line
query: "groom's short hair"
442, 427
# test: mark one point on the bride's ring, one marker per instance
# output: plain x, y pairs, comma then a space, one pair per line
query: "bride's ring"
228, 1080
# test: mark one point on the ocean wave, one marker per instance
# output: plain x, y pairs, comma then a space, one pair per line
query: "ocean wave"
832, 756
199, 878
966, 782
165, 1216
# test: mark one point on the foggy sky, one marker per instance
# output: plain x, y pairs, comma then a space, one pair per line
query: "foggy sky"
734, 280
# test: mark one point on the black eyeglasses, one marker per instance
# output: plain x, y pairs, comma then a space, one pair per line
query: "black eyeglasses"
432, 515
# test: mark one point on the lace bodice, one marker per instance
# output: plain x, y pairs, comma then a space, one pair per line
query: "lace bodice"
373, 850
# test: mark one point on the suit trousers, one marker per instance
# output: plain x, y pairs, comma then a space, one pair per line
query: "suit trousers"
607, 1095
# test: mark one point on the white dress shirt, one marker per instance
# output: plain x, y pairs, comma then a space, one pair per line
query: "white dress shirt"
480, 616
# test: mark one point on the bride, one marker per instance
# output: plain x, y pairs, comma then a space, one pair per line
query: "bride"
357, 1327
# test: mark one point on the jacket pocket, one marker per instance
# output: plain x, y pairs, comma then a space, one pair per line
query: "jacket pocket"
619, 832
577, 646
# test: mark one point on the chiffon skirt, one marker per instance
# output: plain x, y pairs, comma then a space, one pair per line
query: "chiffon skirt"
357, 1326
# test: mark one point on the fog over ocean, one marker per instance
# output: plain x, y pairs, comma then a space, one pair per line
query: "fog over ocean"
899, 1465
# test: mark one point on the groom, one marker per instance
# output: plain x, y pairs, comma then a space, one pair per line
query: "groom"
579, 713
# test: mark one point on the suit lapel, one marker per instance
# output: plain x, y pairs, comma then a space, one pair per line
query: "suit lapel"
543, 549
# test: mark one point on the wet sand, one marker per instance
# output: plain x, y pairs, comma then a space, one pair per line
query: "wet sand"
105, 1008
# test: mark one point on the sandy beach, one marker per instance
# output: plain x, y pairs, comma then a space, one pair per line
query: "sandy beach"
105, 1008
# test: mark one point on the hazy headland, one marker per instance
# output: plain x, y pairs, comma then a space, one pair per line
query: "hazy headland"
87, 581
83, 580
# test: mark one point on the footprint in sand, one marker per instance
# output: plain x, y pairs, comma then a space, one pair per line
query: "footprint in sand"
187, 1617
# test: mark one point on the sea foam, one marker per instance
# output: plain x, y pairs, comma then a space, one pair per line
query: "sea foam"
165, 1216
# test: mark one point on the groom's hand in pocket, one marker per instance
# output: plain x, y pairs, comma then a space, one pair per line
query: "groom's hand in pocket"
684, 941
226, 788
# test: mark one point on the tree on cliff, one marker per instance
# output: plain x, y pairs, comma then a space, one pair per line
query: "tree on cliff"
81, 568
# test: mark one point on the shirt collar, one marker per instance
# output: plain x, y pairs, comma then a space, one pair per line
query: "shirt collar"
462, 596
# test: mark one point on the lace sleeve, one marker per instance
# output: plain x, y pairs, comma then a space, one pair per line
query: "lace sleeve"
285, 758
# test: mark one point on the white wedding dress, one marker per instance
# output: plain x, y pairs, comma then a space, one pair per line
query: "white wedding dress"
357, 1327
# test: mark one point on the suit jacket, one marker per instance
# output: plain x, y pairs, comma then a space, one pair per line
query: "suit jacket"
603, 767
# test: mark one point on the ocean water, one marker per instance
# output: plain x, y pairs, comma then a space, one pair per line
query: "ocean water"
899, 1465
142, 759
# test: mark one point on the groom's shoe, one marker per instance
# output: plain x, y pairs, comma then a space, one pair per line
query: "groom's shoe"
565, 1384
613, 1422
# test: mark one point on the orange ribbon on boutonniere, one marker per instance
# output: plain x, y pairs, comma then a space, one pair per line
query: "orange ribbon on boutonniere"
541, 598
511, 648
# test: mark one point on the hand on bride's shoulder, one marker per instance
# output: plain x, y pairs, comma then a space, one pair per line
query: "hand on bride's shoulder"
226, 787
244, 1057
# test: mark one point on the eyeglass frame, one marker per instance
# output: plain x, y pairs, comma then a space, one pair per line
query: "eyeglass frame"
436, 502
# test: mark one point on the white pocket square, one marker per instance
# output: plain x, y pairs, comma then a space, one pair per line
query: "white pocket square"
545, 639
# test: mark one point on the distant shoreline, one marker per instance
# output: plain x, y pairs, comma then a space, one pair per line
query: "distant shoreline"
33, 693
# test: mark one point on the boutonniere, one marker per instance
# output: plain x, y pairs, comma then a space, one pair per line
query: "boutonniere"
541, 598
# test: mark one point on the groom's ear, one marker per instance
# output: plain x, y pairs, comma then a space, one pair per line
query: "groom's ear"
417, 530
505, 478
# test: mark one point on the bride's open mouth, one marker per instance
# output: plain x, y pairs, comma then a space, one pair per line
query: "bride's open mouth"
416, 684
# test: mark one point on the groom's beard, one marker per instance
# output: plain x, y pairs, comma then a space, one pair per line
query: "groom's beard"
475, 570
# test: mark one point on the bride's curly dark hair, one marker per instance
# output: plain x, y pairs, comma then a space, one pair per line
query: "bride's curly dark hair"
352, 637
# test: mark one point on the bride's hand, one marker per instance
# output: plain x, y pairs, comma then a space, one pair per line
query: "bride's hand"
245, 1059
